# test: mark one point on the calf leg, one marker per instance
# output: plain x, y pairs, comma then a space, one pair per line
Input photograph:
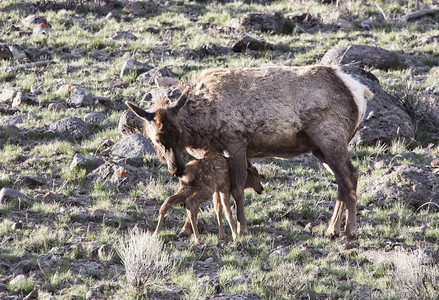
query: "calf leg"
219, 215
225, 201
192, 205
177, 198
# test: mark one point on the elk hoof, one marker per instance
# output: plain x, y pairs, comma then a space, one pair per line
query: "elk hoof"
183, 235
350, 236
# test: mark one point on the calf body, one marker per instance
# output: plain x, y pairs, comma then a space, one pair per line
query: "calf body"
201, 179
268, 111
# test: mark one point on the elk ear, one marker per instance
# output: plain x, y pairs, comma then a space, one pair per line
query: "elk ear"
140, 112
180, 102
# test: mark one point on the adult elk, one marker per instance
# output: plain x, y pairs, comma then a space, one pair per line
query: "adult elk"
267, 111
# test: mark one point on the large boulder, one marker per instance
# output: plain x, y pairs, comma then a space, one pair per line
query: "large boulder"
385, 119
118, 175
362, 55
414, 185
129, 123
70, 127
133, 147
266, 21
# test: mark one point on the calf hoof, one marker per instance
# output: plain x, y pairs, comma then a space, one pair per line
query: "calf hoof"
183, 235
331, 234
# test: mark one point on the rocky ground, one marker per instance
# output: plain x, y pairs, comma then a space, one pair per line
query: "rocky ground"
76, 175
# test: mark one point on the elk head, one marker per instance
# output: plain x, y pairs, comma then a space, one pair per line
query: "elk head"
164, 132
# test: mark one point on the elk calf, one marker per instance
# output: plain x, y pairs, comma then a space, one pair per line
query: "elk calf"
201, 179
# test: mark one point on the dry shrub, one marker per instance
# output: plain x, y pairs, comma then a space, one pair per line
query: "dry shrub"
145, 260
424, 111
416, 275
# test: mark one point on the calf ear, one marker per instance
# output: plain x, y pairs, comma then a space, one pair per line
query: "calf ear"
180, 102
140, 112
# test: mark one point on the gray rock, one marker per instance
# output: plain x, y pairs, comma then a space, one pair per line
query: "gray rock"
91, 294
132, 65
118, 175
70, 127
165, 81
78, 100
7, 95
30, 181
23, 98
130, 123
249, 43
229, 296
17, 52
13, 120
94, 118
270, 21
362, 55
57, 106
154, 74
5, 53
87, 161
211, 49
414, 185
385, 119
238, 279
133, 147
123, 35
140, 8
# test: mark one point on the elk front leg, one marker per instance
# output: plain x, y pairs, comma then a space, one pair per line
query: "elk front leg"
238, 173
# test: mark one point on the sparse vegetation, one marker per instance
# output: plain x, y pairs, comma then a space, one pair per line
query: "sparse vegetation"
63, 240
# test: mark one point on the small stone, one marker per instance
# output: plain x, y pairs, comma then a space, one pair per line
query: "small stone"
249, 43
22, 98
17, 278
123, 35
343, 24
85, 161
17, 52
78, 100
57, 106
394, 217
165, 81
30, 181
238, 279
94, 118
7, 95
132, 65
101, 212
91, 294
17, 226
309, 227
140, 8
121, 84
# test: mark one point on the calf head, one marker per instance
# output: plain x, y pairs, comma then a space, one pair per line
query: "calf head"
253, 180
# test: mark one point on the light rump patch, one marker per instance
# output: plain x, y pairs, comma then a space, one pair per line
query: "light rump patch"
360, 92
